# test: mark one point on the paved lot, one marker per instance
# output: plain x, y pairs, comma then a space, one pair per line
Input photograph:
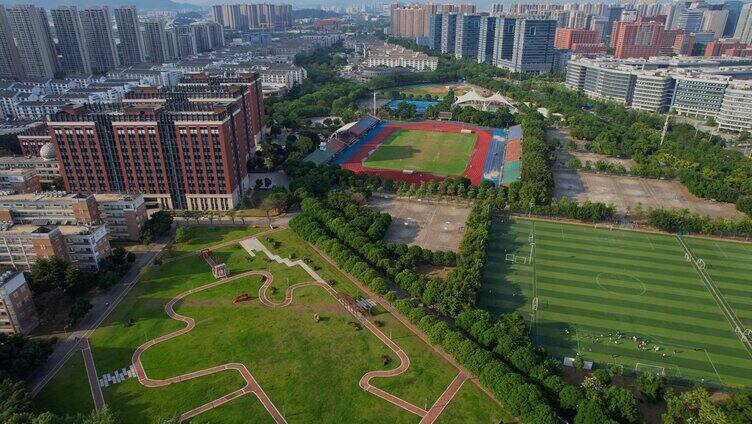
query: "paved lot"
435, 226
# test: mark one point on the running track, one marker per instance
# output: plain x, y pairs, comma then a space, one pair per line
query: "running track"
474, 170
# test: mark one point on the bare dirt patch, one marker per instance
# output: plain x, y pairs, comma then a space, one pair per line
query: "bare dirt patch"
627, 193
430, 225
628, 164
434, 271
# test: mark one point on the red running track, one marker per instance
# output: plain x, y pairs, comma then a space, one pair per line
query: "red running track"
473, 171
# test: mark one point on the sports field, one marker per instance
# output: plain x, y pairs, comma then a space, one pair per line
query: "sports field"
626, 298
445, 153
309, 369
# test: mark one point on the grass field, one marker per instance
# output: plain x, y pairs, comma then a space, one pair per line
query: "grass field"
436, 152
204, 236
310, 370
594, 283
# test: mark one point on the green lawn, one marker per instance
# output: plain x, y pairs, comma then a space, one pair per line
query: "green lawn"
470, 405
310, 370
203, 236
70, 384
592, 283
437, 152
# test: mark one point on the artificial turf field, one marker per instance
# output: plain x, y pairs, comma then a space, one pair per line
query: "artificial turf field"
309, 370
444, 153
594, 283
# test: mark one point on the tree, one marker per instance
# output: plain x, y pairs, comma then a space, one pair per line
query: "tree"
20, 355
183, 234
156, 226
651, 387
79, 309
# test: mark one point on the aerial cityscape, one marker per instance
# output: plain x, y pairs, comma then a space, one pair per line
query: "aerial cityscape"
416, 212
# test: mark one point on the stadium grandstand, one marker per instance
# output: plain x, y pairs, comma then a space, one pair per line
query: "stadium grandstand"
341, 139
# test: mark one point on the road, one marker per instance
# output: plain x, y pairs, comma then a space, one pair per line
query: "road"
102, 305
277, 221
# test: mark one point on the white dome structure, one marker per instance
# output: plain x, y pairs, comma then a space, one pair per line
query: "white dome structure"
47, 152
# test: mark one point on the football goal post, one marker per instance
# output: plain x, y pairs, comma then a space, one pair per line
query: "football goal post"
535, 303
641, 368
509, 257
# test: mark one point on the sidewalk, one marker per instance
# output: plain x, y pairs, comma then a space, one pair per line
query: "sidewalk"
102, 305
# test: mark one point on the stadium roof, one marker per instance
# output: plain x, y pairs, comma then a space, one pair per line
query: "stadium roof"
364, 124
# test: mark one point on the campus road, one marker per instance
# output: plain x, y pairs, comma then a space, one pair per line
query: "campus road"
102, 305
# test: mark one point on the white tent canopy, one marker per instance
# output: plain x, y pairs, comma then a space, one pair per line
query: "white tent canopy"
473, 98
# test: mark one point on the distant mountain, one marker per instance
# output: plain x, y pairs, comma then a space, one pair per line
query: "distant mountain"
140, 4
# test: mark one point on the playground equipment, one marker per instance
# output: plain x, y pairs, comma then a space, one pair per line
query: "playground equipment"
218, 270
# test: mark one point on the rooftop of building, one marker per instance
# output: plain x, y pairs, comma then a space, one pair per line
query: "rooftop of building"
7, 172
11, 280
7, 228
26, 160
45, 196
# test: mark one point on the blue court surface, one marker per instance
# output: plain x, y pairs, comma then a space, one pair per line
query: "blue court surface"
420, 105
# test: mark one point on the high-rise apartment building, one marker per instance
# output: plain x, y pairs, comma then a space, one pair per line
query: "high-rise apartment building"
200, 33
448, 32
715, 21
689, 20
100, 40
129, 32
435, 27
253, 16
637, 39
467, 36
579, 41
70, 40
216, 34
10, 61
743, 31
734, 8
504, 40
181, 147
487, 39
31, 30
155, 41
532, 46
185, 41
415, 20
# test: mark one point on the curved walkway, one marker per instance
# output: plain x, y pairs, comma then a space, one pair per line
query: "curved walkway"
364, 382
251, 385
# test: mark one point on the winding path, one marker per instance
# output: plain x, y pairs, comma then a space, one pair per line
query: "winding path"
251, 385
364, 383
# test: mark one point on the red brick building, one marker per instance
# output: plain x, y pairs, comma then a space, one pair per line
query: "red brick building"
183, 147
566, 37
582, 41
636, 39
32, 139
727, 47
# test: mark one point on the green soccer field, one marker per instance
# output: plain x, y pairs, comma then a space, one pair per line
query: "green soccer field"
592, 284
427, 151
